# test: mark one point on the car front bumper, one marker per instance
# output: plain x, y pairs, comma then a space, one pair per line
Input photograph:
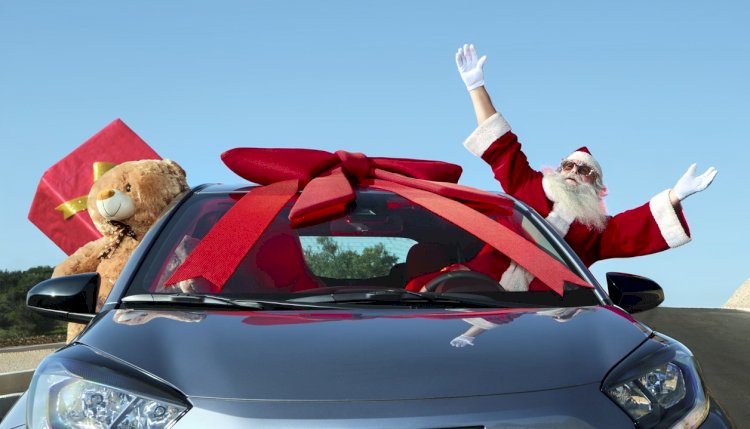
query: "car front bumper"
577, 407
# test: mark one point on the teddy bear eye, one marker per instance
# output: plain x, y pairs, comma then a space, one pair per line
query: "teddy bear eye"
127, 187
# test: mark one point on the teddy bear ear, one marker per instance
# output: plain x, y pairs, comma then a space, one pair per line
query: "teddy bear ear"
175, 167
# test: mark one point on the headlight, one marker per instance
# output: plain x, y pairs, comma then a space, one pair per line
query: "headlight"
659, 386
69, 393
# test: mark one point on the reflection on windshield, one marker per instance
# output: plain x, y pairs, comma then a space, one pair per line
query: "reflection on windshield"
181, 252
139, 317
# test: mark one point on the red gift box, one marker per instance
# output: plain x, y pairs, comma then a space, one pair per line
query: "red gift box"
59, 206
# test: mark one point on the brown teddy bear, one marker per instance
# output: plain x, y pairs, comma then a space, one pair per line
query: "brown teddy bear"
123, 204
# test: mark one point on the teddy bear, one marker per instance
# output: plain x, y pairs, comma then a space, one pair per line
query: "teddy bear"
123, 204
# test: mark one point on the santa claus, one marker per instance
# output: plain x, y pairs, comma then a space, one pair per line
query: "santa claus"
571, 196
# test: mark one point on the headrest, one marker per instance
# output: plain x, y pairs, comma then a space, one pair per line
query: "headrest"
426, 258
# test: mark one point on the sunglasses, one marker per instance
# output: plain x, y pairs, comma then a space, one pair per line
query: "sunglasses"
582, 169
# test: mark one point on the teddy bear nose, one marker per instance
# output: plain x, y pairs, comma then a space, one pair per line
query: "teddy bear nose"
106, 194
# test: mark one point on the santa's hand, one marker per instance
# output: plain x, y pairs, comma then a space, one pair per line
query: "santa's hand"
470, 67
689, 183
462, 341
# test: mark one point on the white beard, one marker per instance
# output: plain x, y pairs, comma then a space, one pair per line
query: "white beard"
580, 201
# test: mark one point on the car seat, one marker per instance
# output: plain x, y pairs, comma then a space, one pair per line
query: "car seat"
275, 264
427, 258
282, 260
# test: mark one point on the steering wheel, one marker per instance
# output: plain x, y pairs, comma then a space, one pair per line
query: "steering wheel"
461, 278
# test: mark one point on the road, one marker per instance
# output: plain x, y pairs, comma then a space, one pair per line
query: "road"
14, 359
16, 368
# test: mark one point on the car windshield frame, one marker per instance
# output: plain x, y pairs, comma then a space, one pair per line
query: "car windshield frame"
153, 255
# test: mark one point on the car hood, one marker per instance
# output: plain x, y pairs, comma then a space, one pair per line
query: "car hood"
368, 354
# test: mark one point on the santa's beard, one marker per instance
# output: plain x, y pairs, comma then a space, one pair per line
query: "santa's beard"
579, 200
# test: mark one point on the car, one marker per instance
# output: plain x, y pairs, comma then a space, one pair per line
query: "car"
372, 316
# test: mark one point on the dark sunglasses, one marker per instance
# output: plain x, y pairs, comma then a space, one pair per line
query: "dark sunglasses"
582, 169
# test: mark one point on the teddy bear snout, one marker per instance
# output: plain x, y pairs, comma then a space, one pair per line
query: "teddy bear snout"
114, 205
107, 193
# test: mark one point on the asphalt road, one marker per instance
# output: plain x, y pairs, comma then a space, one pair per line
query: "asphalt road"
720, 340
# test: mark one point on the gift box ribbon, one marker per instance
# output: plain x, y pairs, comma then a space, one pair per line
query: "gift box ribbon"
79, 204
325, 180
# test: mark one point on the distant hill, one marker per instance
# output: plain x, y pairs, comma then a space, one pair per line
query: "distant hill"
740, 299
18, 324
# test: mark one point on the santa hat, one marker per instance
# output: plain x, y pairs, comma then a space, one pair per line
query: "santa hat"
583, 155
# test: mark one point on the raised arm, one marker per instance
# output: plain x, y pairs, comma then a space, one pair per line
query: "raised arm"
493, 140
471, 69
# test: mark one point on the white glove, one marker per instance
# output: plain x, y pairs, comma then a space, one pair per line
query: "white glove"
462, 341
470, 68
689, 183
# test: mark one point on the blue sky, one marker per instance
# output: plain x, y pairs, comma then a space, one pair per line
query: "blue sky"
649, 87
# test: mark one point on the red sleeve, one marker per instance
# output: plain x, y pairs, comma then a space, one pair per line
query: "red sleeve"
650, 228
498, 146
510, 165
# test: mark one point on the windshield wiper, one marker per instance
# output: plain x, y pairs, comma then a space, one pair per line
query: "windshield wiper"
213, 300
401, 296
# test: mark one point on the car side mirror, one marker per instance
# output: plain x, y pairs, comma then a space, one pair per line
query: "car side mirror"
70, 298
634, 293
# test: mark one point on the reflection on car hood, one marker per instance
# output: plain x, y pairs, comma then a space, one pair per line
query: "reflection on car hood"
368, 354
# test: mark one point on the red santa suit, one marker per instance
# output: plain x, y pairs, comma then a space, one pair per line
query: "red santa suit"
650, 228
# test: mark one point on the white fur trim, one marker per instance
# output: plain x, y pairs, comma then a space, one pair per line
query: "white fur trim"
486, 133
583, 157
516, 278
587, 159
559, 222
666, 218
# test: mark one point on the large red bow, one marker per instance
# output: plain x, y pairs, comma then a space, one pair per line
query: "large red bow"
325, 180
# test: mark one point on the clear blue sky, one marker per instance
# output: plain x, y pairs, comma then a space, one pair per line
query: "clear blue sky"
649, 87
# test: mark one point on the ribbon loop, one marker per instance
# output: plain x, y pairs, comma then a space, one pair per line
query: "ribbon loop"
355, 165
79, 204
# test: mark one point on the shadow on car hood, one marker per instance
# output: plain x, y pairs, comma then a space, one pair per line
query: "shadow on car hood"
368, 354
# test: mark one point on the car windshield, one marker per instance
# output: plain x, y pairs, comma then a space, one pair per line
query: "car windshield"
384, 249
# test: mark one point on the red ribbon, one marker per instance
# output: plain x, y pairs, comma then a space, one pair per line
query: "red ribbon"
325, 180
